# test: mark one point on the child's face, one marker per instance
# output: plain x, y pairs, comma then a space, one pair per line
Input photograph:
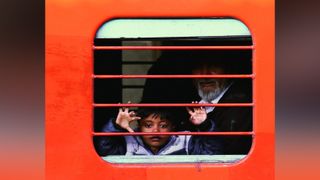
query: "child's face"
155, 124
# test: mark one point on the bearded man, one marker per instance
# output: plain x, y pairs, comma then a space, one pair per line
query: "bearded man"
225, 90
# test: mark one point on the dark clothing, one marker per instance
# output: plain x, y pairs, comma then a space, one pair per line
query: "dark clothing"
235, 118
177, 145
170, 90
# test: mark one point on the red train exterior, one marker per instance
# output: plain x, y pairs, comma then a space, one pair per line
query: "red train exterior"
70, 30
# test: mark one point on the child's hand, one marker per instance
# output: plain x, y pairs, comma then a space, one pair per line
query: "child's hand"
197, 114
125, 117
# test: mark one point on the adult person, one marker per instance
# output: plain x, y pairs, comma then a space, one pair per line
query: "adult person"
224, 90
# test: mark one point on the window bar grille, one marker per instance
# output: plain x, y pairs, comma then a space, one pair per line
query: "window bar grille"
170, 133
174, 76
175, 105
172, 47
171, 76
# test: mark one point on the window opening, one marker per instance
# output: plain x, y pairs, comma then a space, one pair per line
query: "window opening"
150, 67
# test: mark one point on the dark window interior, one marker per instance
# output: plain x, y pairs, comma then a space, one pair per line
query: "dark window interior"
166, 62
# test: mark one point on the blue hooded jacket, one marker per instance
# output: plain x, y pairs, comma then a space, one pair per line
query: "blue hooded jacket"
177, 144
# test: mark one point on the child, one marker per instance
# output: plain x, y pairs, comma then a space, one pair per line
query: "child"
157, 120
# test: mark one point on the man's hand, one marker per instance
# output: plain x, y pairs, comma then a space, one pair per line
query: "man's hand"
197, 114
125, 117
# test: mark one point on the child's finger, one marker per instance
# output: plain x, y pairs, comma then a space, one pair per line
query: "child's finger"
189, 110
132, 113
196, 108
129, 129
120, 109
135, 118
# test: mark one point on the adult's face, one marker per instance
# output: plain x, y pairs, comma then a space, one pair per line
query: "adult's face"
209, 88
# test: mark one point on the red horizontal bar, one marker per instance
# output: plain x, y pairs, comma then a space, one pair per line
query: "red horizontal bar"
176, 105
172, 76
170, 133
171, 47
